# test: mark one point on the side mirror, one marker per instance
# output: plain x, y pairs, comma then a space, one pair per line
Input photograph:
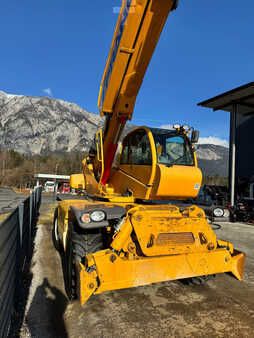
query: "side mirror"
195, 136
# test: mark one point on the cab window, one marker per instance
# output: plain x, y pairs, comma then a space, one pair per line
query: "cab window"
137, 149
172, 149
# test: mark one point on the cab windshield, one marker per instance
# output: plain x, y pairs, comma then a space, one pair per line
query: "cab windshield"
172, 148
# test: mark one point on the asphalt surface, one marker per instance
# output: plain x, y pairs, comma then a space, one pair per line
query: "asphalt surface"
9, 200
223, 307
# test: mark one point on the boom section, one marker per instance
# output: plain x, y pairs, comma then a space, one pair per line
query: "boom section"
137, 33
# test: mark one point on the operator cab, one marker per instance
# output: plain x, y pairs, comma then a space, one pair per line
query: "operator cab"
169, 146
157, 164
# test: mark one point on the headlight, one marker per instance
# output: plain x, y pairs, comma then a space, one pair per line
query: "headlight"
97, 216
226, 213
85, 218
218, 212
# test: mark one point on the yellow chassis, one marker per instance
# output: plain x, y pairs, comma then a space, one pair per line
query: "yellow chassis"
173, 244
154, 243
106, 271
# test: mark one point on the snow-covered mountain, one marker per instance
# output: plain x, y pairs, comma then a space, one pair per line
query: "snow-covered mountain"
36, 125
213, 159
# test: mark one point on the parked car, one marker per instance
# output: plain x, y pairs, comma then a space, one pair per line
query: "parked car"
65, 189
49, 186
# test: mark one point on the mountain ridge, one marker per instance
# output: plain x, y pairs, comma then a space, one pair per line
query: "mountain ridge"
37, 125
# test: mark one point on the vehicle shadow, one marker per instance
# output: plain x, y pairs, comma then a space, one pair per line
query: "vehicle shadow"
45, 315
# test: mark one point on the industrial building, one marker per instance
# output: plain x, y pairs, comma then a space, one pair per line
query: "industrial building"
240, 103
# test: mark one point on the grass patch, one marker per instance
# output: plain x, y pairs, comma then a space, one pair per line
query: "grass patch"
3, 217
21, 191
16, 190
47, 213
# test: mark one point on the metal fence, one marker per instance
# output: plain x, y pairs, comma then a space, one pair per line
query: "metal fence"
15, 247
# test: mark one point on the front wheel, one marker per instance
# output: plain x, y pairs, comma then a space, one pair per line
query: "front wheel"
77, 246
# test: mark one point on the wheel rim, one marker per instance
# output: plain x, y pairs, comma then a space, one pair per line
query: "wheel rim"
56, 231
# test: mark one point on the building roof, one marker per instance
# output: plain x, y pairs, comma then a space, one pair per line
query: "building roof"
242, 96
52, 176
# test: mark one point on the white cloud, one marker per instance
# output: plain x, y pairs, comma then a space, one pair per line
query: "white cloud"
166, 126
47, 91
213, 140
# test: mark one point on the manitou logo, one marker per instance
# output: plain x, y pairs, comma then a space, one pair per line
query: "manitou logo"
117, 9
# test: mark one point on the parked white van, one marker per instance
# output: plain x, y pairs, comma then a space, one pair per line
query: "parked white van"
49, 186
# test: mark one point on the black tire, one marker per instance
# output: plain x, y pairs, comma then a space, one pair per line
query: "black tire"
55, 233
78, 245
200, 280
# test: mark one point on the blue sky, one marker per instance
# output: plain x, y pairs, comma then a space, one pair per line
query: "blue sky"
62, 46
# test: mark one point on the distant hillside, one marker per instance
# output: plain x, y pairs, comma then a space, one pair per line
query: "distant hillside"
213, 160
39, 125
36, 125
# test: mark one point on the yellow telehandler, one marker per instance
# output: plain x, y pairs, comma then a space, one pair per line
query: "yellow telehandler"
130, 227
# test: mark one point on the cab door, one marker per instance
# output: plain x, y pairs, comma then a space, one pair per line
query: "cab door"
138, 161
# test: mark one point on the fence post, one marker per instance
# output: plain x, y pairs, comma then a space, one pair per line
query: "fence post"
21, 220
37, 192
19, 255
36, 199
39, 201
34, 208
31, 202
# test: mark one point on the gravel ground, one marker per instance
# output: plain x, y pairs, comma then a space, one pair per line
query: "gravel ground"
223, 307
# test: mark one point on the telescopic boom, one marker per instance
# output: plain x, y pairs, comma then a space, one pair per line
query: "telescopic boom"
137, 33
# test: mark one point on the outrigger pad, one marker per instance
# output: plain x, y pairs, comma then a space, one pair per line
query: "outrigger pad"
238, 262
